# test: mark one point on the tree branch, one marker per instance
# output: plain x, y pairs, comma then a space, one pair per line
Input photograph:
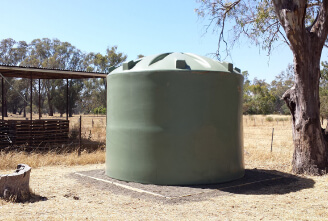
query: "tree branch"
313, 4
291, 14
320, 25
285, 39
220, 12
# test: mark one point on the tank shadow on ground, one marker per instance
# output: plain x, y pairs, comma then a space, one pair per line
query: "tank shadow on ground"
263, 182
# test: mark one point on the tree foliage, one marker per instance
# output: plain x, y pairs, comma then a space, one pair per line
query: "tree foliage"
279, 86
324, 91
264, 98
258, 99
255, 20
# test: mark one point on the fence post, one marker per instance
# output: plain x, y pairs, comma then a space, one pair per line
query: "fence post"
272, 138
80, 140
3, 100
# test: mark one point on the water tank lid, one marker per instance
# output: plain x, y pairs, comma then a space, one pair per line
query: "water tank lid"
175, 61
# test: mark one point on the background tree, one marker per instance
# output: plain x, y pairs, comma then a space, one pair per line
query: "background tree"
74, 93
258, 99
279, 86
11, 53
303, 25
17, 95
247, 94
55, 54
94, 93
263, 98
41, 54
60, 96
324, 91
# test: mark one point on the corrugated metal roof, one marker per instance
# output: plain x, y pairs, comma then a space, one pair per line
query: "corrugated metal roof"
45, 73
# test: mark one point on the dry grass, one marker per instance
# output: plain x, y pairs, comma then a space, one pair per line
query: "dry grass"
71, 200
93, 134
258, 139
10, 160
93, 127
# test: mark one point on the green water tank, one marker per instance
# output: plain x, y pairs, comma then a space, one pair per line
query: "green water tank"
175, 119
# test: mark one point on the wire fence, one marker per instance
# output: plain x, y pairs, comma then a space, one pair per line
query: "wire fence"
266, 132
271, 134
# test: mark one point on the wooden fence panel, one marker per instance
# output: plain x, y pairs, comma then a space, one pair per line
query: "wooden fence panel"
35, 133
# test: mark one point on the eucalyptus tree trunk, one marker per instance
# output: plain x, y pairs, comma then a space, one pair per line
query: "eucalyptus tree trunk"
49, 91
5, 108
311, 152
51, 108
24, 113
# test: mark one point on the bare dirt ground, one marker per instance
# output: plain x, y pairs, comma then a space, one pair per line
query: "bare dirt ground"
61, 194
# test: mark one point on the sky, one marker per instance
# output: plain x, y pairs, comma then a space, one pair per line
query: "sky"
137, 27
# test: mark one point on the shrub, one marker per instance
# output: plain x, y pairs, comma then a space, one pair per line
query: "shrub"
282, 119
99, 110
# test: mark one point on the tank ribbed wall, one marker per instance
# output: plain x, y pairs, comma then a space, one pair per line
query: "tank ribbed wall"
174, 127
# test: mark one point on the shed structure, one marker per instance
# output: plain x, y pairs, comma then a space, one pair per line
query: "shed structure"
37, 132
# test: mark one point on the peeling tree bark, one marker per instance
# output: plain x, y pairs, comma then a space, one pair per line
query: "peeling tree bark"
311, 152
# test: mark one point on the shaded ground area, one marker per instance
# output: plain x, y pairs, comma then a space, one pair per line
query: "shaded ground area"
255, 182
